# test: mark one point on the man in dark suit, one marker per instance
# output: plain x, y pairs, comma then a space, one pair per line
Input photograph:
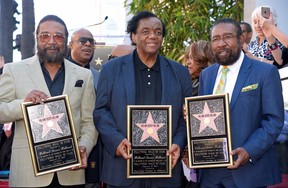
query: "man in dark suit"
256, 111
141, 78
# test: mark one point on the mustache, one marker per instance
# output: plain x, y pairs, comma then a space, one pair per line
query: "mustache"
52, 47
222, 50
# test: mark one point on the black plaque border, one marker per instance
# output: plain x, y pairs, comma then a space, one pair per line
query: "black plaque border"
130, 109
190, 139
32, 145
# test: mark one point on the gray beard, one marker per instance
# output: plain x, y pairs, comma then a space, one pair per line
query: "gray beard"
59, 57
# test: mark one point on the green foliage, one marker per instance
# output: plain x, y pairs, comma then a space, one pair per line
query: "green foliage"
187, 20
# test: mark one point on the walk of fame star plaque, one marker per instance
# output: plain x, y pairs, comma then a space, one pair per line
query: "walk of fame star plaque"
149, 131
208, 131
51, 135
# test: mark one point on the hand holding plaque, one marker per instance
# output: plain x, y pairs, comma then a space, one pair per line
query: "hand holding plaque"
208, 131
51, 135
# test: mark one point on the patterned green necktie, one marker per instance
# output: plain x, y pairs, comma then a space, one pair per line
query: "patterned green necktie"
222, 82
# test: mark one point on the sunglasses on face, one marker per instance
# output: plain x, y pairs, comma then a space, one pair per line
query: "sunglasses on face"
83, 40
57, 37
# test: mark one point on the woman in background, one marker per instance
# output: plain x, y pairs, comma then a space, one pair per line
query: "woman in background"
200, 57
266, 46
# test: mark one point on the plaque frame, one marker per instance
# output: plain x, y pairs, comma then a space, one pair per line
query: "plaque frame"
139, 114
54, 149
284, 82
209, 137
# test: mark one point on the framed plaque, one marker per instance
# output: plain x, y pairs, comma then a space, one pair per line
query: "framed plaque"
51, 135
284, 81
149, 132
208, 131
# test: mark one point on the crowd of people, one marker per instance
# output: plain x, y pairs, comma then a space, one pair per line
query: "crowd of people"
138, 75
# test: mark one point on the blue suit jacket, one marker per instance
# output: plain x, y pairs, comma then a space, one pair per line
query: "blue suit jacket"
256, 119
116, 89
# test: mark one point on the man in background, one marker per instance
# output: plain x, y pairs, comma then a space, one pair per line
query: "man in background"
82, 46
120, 50
246, 32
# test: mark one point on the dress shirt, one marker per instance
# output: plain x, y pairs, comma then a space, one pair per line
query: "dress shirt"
55, 86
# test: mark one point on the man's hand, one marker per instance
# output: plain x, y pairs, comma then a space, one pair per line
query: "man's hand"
122, 149
243, 158
36, 96
83, 156
174, 151
185, 157
184, 111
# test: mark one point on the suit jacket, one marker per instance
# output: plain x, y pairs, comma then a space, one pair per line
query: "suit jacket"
20, 78
116, 89
256, 117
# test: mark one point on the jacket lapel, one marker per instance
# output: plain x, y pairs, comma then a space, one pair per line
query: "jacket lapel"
70, 78
129, 79
35, 73
242, 76
213, 76
165, 76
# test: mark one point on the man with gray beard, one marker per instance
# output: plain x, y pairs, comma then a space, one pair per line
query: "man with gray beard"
256, 111
36, 79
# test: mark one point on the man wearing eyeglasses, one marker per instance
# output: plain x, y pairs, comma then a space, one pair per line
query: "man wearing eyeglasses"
256, 111
34, 80
82, 47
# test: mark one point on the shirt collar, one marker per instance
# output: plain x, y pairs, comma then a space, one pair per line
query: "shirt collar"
142, 66
87, 66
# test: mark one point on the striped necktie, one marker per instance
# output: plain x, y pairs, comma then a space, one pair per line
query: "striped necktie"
222, 82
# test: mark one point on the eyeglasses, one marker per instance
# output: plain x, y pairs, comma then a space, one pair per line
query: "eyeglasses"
244, 31
45, 37
111, 57
82, 40
225, 38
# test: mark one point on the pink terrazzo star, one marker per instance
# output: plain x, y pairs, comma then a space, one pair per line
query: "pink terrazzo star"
49, 121
150, 128
207, 118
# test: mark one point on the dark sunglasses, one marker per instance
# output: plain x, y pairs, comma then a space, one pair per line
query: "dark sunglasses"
83, 40
111, 57
45, 37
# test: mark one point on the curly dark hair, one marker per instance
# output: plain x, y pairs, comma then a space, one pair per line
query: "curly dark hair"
134, 23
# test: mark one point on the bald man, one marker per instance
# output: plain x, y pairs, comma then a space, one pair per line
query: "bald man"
121, 50
82, 47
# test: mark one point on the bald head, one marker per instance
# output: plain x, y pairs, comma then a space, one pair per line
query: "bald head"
82, 46
121, 50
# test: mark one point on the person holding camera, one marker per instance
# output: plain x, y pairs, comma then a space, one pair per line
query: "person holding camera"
266, 47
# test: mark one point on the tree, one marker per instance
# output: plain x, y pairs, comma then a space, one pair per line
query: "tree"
7, 26
187, 20
28, 28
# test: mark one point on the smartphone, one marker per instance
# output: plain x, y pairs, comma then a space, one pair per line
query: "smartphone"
265, 12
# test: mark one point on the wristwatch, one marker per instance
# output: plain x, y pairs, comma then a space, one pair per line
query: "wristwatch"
273, 46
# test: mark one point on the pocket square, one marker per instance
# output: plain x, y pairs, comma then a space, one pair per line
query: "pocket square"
249, 88
79, 83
